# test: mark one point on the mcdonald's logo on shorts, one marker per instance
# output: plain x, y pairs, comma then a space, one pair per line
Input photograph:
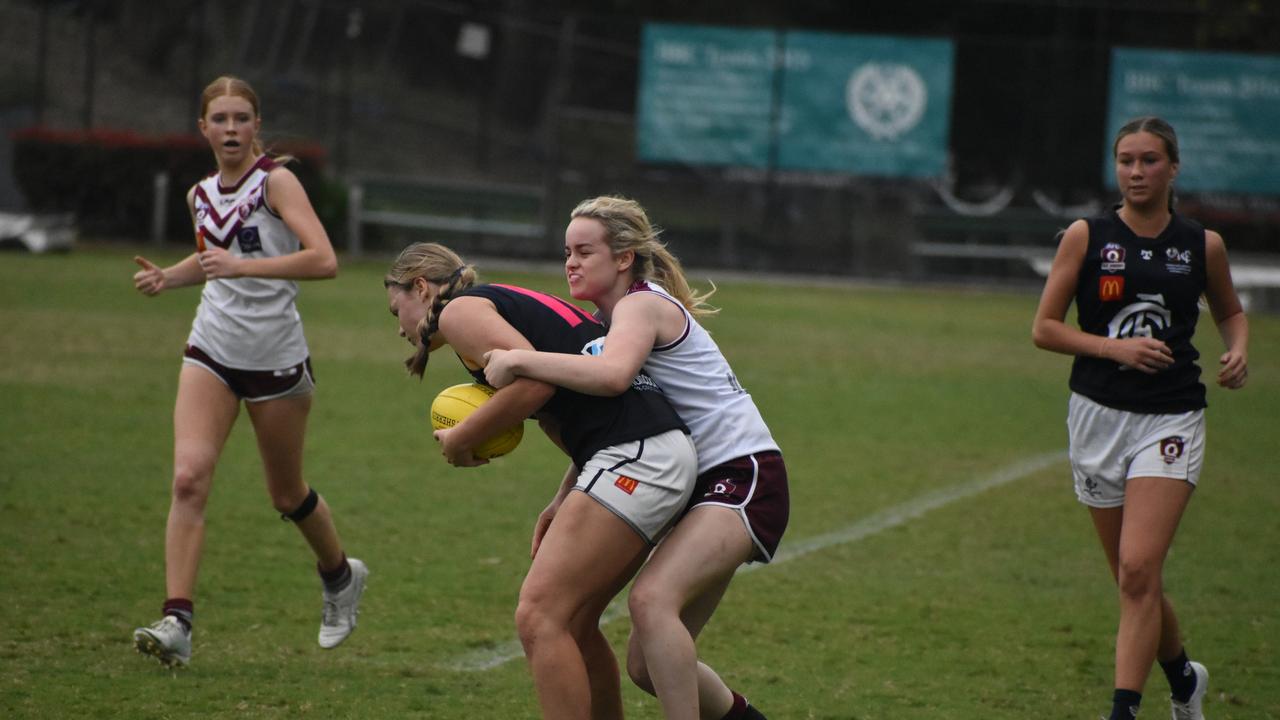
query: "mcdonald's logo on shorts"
626, 484
1110, 287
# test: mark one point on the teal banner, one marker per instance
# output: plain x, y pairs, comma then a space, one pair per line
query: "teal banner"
705, 95
865, 105
1225, 108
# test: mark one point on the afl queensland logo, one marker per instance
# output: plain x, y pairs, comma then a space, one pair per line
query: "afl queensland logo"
886, 99
1112, 257
1171, 449
1144, 318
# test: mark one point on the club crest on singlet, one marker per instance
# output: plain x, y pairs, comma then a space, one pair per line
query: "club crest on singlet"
1144, 318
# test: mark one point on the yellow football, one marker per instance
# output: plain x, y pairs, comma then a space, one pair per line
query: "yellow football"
456, 402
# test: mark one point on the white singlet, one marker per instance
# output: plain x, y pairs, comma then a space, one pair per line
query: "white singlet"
247, 323
700, 385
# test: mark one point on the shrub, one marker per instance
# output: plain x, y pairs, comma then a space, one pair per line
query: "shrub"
106, 178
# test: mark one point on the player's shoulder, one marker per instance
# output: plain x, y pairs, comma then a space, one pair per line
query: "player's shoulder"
1077, 233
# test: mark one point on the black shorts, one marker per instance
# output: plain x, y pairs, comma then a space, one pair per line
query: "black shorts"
756, 487
256, 385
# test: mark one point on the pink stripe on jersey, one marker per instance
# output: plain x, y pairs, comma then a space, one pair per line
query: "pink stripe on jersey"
560, 307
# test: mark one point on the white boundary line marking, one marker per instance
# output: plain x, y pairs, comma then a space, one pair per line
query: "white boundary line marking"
492, 657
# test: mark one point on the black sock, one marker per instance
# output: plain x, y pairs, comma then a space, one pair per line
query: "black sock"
182, 609
1124, 704
1182, 679
337, 579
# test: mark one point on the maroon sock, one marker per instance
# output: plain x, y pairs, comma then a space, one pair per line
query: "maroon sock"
338, 578
181, 608
737, 710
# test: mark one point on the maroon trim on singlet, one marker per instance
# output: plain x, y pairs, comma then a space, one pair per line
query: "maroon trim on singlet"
213, 230
643, 286
264, 162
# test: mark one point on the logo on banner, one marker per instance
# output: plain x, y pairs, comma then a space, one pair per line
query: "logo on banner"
1110, 287
886, 99
1112, 257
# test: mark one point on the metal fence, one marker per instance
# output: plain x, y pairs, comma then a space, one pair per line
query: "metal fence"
472, 120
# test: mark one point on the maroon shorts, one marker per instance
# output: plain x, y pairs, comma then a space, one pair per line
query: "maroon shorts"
256, 385
756, 487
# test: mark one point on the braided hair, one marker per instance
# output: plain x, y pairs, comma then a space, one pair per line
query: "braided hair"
438, 264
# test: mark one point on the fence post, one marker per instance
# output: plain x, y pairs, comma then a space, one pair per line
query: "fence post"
159, 207
355, 206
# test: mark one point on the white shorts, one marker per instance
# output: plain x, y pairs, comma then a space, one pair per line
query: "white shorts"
646, 483
1109, 446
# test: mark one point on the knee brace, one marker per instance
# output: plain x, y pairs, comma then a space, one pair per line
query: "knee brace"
306, 508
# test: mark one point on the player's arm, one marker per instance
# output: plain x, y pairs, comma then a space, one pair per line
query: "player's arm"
315, 261
632, 335
1050, 330
152, 279
1228, 314
472, 327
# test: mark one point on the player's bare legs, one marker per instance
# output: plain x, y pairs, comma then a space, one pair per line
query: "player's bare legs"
672, 599
564, 580
1136, 539
280, 426
203, 415
602, 665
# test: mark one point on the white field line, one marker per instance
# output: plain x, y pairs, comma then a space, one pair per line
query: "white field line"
492, 657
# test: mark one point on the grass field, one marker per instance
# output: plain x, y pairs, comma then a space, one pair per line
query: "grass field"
911, 591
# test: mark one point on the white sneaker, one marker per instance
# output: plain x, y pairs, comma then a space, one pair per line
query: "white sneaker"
1192, 709
167, 640
341, 608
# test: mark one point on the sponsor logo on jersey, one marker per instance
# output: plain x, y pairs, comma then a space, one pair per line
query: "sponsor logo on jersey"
1146, 254
1179, 261
1112, 257
644, 383
1110, 288
249, 240
626, 484
1171, 449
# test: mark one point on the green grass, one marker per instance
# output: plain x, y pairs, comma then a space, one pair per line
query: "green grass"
998, 605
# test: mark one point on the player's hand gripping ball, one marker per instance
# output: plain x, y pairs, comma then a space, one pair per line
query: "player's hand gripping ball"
455, 403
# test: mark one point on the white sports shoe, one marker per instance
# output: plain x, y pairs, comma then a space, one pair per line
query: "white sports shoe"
166, 640
341, 608
1192, 709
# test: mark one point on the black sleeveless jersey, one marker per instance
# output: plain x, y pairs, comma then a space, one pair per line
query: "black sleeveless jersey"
588, 423
1132, 286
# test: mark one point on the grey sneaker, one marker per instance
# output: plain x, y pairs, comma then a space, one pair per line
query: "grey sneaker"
166, 640
341, 608
1192, 709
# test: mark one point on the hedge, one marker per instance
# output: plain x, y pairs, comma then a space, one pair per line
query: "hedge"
105, 178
